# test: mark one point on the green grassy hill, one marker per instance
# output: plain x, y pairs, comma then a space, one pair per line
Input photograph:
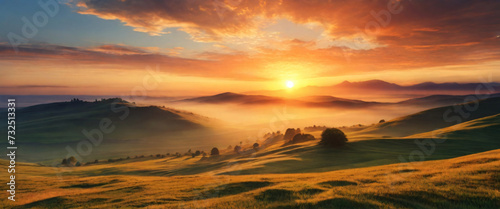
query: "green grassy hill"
309, 157
63, 122
363, 174
433, 119
465, 182
482, 129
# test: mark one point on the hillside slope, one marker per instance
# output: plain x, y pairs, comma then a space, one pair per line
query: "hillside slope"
479, 129
434, 119
64, 122
464, 182
310, 101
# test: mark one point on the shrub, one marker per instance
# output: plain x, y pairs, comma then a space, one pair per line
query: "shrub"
71, 161
214, 151
302, 138
237, 149
382, 121
256, 146
333, 137
289, 133
64, 161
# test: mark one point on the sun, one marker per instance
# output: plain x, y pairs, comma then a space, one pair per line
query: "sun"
289, 84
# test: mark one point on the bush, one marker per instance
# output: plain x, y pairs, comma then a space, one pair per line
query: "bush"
237, 149
214, 151
256, 146
302, 138
289, 133
72, 160
333, 137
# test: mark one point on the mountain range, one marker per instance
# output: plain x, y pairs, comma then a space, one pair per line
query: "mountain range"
330, 101
380, 87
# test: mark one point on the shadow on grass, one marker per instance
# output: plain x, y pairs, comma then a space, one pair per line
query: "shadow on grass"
310, 192
61, 203
331, 203
425, 199
474, 162
54, 202
90, 185
236, 188
84, 185
337, 183
226, 190
275, 195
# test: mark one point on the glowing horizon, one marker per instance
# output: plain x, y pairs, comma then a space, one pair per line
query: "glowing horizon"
248, 47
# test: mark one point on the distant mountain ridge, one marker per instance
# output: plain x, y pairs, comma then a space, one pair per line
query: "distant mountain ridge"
427, 86
330, 101
313, 101
370, 88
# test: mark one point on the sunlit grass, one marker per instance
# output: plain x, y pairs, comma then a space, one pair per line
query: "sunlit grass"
464, 182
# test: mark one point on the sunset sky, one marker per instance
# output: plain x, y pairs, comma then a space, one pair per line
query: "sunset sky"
96, 47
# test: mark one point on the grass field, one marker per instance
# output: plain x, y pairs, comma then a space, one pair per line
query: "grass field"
465, 182
458, 167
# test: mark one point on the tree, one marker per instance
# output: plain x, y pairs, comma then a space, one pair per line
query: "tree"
256, 146
78, 164
302, 138
382, 121
289, 133
64, 161
197, 152
237, 149
214, 151
72, 160
333, 137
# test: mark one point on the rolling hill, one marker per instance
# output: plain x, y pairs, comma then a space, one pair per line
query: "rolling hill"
324, 101
310, 101
460, 172
442, 100
480, 129
465, 182
63, 122
434, 119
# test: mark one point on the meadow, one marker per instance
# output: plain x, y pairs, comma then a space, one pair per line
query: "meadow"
377, 168
465, 182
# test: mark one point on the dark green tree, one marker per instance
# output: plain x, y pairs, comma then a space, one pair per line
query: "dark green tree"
256, 146
237, 149
333, 137
214, 151
302, 138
